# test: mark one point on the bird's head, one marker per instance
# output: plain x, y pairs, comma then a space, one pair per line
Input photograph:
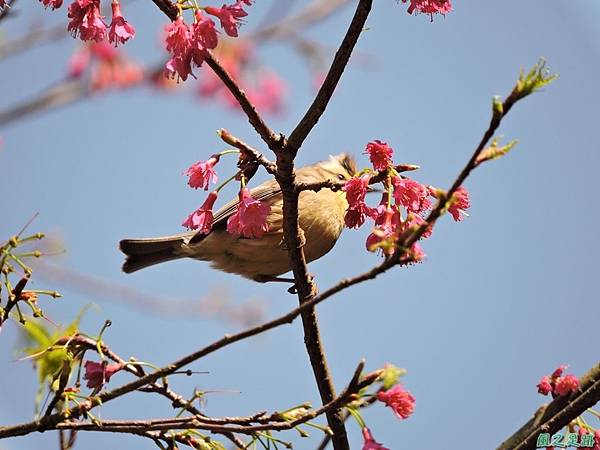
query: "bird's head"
340, 167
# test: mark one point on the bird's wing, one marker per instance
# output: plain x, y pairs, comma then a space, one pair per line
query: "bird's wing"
264, 192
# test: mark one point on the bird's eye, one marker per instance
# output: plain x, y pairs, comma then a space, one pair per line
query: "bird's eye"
341, 177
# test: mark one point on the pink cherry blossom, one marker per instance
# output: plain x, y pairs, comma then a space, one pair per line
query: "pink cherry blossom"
178, 44
230, 16
369, 441
380, 154
429, 6
400, 400
411, 194
356, 190
120, 31
565, 385
79, 61
250, 219
86, 21
386, 223
201, 173
202, 218
460, 202
53, 4
357, 212
544, 386
204, 31
98, 374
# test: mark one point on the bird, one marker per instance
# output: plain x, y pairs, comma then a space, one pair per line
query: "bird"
264, 259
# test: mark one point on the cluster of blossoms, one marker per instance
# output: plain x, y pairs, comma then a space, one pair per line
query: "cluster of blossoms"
87, 22
250, 219
189, 44
111, 67
410, 202
557, 384
430, 7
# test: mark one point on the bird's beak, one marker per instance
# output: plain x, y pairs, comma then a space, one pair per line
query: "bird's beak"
372, 189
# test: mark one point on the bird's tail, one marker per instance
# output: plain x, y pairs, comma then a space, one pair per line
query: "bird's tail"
142, 253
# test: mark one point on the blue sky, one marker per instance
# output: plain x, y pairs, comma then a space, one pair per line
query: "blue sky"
503, 298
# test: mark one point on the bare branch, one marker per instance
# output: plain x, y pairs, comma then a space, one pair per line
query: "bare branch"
342, 56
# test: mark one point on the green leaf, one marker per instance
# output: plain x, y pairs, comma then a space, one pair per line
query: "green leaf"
538, 77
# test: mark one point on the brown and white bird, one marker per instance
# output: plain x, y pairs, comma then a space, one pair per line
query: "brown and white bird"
320, 214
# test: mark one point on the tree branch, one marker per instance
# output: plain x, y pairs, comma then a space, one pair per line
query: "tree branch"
342, 56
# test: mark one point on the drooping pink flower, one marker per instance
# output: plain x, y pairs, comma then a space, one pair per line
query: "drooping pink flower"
120, 31
357, 212
201, 173
204, 31
178, 44
230, 16
250, 219
86, 21
369, 442
386, 223
380, 154
411, 194
356, 190
460, 202
98, 374
429, 6
544, 387
400, 400
79, 61
53, 4
565, 385
202, 218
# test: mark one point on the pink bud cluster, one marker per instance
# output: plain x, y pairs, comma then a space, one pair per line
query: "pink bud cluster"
250, 218
188, 44
402, 205
557, 384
